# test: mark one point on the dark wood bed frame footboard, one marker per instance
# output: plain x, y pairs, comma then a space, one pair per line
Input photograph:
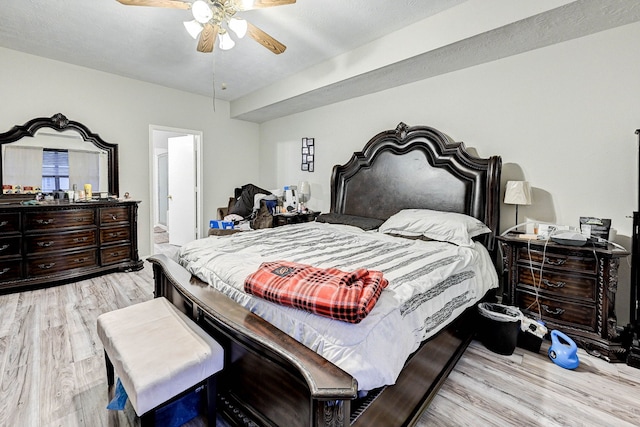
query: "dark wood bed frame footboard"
270, 379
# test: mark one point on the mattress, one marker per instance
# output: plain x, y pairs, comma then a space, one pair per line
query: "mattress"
430, 284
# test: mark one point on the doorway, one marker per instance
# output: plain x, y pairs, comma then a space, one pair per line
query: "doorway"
176, 206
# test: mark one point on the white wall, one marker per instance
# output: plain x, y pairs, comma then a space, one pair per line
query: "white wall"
120, 110
562, 117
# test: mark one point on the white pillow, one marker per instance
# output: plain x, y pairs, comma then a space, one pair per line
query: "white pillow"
450, 227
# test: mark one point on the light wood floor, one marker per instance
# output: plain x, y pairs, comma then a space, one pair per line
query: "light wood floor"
52, 370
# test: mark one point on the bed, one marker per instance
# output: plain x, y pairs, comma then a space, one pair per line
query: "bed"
270, 378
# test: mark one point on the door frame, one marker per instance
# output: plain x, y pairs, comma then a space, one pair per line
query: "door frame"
154, 129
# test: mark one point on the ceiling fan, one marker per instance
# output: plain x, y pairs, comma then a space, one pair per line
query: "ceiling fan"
214, 18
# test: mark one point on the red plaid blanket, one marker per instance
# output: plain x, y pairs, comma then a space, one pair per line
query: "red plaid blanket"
327, 292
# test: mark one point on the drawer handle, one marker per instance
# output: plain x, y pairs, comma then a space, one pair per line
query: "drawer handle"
555, 312
46, 244
81, 259
4, 270
118, 234
556, 262
45, 221
114, 217
46, 266
80, 239
114, 254
3, 223
3, 247
554, 284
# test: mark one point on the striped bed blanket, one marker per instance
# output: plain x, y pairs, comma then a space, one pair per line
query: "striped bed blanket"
329, 292
429, 285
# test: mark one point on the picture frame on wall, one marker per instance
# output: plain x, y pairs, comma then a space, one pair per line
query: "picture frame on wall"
308, 154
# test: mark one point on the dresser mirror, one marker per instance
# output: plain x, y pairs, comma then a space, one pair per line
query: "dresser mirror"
51, 155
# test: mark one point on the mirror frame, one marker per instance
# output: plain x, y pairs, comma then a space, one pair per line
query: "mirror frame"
60, 123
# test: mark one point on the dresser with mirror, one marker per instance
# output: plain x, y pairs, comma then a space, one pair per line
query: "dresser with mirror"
50, 235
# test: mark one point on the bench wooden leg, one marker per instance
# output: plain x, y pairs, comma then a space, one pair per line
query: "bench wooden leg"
148, 419
211, 400
110, 373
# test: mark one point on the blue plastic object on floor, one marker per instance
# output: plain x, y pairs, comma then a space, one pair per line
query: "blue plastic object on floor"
563, 354
181, 411
119, 398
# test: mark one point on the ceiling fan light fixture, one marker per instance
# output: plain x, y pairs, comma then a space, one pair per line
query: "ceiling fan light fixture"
238, 26
201, 11
194, 28
226, 42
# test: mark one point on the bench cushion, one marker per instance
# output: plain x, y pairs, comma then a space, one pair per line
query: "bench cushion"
157, 351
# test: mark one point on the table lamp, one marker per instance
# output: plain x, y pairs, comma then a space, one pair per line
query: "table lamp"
303, 193
517, 193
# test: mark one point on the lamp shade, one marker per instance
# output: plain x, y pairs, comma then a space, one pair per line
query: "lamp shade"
238, 26
194, 28
305, 189
517, 193
226, 42
201, 11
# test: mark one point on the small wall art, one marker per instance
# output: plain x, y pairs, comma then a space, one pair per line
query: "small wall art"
308, 154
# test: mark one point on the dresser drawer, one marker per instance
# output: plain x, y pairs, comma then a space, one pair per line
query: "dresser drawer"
9, 222
557, 261
575, 314
10, 246
60, 241
115, 254
10, 270
559, 283
38, 221
53, 264
115, 235
115, 215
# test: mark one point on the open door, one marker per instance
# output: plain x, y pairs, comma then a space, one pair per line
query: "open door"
182, 208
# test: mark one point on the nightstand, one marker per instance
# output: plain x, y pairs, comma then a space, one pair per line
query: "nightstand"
294, 218
575, 287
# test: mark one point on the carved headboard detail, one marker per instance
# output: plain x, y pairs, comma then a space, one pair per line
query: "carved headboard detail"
417, 168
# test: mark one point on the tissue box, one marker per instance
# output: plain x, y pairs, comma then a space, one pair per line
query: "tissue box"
224, 225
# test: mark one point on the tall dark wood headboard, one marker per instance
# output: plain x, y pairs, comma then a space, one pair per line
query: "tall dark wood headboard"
440, 174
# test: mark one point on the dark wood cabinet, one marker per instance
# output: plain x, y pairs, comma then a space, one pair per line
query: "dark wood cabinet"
572, 289
53, 243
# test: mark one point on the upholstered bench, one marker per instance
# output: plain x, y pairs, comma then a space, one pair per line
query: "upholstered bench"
158, 353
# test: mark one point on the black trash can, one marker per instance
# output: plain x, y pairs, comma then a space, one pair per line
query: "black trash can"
499, 327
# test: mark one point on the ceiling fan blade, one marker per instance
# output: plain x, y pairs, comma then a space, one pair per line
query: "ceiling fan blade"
261, 4
175, 4
206, 43
265, 39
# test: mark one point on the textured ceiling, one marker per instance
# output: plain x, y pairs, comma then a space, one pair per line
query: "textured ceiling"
151, 44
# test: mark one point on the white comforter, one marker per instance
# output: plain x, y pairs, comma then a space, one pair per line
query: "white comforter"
430, 284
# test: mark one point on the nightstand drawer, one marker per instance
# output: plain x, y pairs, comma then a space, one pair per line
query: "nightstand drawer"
559, 284
556, 260
574, 314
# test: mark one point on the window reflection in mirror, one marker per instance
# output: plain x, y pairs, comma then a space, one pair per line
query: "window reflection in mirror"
53, 161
